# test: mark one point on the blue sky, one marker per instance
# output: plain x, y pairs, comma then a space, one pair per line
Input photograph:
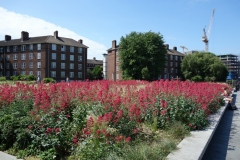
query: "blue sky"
98, 22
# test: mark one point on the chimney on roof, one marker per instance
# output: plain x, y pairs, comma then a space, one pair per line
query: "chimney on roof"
24, 36
56, 34
114, 44
94, 58
80, 41
167, 46
7, 38
175, 48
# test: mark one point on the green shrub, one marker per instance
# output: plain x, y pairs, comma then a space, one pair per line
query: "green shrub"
31, 78
14, 78
48, 80
2, 78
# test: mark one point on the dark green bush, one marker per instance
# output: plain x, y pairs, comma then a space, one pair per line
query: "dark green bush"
2, 78
48, 80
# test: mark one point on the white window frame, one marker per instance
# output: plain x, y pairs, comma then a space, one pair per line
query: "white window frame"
53, 74
30, 72
71, 66
54, 47
23, 56
71, 57
7, 57
71, 74
39, 46
80, 58
30, 55
15, 48
117, 76
30, 64
79, 50
7, 65
15, 57
23, 65
38, 64
63, 48
117, 68
38, 55
15, 73
62, 65
30, 47
63, 56
23, 47
54, 56
71, 49
14, 65
63, 75
53, 65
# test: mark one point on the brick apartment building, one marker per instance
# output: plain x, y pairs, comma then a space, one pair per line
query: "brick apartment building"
91, 63
172, 70
48, 56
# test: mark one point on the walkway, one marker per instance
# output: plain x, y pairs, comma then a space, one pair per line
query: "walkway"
225, 143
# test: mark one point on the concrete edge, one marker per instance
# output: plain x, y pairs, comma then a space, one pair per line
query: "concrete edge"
194, 146
5, 156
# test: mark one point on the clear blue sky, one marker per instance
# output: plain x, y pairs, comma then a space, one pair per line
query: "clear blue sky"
181, 22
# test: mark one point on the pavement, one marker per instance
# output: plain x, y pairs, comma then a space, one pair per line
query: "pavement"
225, 144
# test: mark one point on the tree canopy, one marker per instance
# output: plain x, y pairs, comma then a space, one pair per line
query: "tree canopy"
203, 66
142, 55
97, 72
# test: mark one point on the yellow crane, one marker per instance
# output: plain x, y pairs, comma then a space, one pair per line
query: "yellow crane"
205, 37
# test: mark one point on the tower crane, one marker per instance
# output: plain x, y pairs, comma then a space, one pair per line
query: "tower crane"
183, 47
205, 37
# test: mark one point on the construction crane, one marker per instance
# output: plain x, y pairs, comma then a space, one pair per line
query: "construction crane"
183, 49
205, 37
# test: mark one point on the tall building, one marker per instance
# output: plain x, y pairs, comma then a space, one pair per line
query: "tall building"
172, 69
91, 63
233, 65
48, 56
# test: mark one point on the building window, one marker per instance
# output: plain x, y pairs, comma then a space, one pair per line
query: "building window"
30, 64
117, 68
0, 74
165, 70
15, 48
30, 72
62, 74
71, 74
63, 57
53, 64
79, 50
166, 64
7, 57
23, 72
79, 66
1, 50
80, 58
15, 73
54, 56
117, 76
176, 71
23, 65
38, 64
38, 46
71, 65
171, 57
23, 56
176, 64
117, 51
8, 66
53, 74
23, 48
1, 57
54, 46
8, 49
15, 56
79, 74
71, 49
117, 59
30, 55
8, 74
38, 55
30, 47
1, 66
14, 65
171, 64
176, 58
172, 70
63, 48
39, 73
71, 57
62, 65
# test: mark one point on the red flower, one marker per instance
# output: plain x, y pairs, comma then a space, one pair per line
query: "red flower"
75, 141
128, 139
57, 130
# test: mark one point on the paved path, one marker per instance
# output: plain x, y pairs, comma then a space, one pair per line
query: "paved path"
225, 143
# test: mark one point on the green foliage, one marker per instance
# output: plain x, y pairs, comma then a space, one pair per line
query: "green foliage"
204, 65
142, 55
197, 78
23, 77
89, 74
97, 72
2, 78
48, 80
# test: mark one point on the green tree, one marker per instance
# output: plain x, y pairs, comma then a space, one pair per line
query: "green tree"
142, 55
97, 72
89, 74
203, 66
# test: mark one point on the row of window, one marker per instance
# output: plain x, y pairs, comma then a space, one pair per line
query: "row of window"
172, 57
171, 64
53, 65
53, 74
54, 47
171, 70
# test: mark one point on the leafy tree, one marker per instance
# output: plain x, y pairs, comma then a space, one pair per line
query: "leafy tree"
89, 74
204, 66
97, 72
142, 55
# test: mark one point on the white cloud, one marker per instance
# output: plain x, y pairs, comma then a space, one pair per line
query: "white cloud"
13, 24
